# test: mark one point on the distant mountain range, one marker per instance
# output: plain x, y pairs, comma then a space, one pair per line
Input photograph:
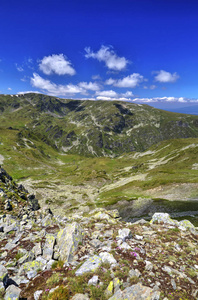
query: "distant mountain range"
96, 128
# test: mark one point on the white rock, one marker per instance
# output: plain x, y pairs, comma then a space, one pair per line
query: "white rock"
125, 246
107, 258
149, 266
124, 234
37, 294
138, 237
93, 280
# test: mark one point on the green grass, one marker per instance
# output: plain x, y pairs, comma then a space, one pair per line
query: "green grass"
29, 147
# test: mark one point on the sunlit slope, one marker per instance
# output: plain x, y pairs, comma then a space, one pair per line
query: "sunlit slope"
91, 128
71, 182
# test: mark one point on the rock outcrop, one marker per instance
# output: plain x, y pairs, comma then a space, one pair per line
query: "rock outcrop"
95, 256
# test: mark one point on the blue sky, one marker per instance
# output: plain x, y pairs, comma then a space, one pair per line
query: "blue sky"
138, 50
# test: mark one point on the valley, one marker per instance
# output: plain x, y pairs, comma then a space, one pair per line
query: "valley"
79, 155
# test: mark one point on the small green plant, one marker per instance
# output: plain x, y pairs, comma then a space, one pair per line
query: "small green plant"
122, 273
133, 280
19, 255
55, 278
61, 293
11, 232
58, 264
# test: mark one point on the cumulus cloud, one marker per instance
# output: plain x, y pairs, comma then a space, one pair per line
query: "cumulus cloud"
163, 99
28, 92
153, 87
112, 95
93, 86
55, 89
109, 57
109, 94
57, 64
164, 77
131, 81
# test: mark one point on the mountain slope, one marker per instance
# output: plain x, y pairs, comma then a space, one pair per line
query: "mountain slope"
97, 128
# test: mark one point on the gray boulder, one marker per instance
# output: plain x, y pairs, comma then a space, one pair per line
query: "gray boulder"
136, 292
90, 265
48, 247
68, 240
12, 293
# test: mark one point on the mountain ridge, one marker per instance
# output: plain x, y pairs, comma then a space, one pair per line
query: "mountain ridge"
96, 128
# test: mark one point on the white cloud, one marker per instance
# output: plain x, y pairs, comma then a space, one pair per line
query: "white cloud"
110, 81
109, 94
127, 94
57, 64
19, 68
163, 76
162, 99
55, 89
112, 95
96, 77
28, 92
131, 81
9, 89
93, 86
109, 57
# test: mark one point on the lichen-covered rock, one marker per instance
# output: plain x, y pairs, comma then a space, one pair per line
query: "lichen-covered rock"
102, 216
12, 293
185, 224
33, 266
109, 289
108, 258
90, 265
136, 292
68, 240
37, 250
48, 247
163, 218
3, 272
114, 213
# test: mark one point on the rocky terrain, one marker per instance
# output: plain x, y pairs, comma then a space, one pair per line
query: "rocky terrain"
93, 255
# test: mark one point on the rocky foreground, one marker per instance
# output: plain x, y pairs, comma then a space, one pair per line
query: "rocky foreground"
91, 256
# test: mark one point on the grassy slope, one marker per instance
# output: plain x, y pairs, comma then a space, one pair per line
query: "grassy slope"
153, 173
96, 128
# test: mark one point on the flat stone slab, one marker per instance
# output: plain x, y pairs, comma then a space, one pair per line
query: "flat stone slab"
90, 265
12, 293
136, 292
67, 241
